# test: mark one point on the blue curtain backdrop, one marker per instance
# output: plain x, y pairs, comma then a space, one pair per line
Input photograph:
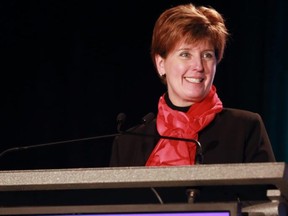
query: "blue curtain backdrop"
69, 67
275, 88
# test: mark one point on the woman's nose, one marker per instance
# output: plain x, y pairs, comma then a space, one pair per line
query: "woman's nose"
197, 63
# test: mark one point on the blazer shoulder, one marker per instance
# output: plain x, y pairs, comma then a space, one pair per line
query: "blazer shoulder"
240, 113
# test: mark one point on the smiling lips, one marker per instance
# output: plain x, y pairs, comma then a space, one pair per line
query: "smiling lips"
194, 80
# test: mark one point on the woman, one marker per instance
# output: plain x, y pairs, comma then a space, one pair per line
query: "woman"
187, 44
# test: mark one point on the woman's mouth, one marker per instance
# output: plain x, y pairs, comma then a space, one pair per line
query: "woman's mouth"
194, 80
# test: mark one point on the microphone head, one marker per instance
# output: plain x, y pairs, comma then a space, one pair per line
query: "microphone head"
121, 117
148, 118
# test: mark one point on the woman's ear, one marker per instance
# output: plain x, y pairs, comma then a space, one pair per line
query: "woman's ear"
160, 65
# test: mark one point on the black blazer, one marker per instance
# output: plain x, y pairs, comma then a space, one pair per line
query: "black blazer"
234, 136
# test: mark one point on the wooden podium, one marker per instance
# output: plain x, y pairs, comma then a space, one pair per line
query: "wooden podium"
258, 188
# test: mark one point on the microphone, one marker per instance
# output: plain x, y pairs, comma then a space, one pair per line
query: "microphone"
121, 117
199, 155
147, 119
20, 148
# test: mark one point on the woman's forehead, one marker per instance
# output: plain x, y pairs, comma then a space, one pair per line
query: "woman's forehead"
185, 43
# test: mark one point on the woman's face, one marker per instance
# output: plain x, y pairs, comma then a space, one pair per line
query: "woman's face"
189, 70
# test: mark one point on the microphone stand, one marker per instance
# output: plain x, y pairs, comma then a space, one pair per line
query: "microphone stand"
56, 143
198, 156
120, 120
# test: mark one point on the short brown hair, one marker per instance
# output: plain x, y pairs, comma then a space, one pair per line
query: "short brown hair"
189, 22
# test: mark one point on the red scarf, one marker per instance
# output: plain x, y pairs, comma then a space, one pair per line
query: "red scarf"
185, 125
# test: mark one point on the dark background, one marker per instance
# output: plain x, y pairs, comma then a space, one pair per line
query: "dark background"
69, 67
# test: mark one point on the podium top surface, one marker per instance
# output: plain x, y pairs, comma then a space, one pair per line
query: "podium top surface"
132, 177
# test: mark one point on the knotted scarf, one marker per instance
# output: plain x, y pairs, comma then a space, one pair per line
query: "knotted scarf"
185, 125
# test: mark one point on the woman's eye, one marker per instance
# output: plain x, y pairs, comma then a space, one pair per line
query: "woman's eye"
208, 55
185, 54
